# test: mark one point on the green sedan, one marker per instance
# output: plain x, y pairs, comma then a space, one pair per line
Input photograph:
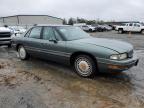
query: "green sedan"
71, 45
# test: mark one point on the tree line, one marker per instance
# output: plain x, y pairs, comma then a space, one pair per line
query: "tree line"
72, 21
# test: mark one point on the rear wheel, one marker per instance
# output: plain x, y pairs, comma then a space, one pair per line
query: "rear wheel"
85, 66
22, 53
120, 31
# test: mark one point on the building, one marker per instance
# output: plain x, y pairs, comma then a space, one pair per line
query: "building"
29, 20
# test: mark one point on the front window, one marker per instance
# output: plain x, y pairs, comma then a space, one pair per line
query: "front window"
48, 33
72, 33
51, 34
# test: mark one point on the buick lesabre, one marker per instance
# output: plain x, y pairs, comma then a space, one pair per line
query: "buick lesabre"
71, 45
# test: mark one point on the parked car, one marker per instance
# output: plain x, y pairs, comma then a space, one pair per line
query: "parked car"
102, 27
17, 29
79, 24
5, 36
71, 45
113, 27
88, 28
130, 27
21, 30
107, 27
98, 28
14, 31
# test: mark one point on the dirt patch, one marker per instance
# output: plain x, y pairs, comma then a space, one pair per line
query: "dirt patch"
39, 84
15, 80
8, 81
2, 65
5, 63
12, 76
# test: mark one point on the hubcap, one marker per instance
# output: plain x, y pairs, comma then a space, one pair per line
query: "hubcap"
83, 66
22, 53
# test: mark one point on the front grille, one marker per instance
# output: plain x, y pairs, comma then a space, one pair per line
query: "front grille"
5, 34
130, 54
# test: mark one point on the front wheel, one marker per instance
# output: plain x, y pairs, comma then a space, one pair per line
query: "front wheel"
9, 45
142, 32
120, 31
85, 66
90, 30
22, 53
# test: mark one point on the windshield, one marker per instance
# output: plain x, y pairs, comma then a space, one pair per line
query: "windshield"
72, 33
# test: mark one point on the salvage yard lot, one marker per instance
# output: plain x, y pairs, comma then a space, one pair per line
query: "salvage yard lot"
41, 84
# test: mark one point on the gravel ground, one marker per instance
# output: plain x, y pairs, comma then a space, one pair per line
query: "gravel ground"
41, 84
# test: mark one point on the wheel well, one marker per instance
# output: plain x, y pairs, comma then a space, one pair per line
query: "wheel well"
120, 29
74, 55
17, 46
142, 30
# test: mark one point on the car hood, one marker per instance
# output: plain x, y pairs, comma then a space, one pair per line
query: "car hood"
118, 46
3, 29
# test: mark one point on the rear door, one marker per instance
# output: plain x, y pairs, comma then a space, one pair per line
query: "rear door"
32, 41
53, 45
136, 27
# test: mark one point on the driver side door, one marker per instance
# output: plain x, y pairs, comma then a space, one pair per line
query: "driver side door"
53, 46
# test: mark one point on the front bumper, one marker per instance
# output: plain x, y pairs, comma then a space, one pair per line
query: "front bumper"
5, 42
107, 65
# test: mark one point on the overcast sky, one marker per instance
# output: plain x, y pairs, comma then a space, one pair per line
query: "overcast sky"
119, 10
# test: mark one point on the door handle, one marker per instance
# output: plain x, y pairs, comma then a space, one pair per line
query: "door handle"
43, 43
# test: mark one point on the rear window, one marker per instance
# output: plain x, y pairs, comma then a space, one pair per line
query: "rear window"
35, 33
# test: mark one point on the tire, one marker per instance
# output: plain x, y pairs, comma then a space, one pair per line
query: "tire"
120, 31
142, 32
9, 45
90, 30
22, 53
85, 66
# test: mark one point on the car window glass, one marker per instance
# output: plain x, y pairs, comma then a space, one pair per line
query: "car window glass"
27, 34
124, 24
35, 33
48, 33
136, 25
130, 24
72, 33
57, 35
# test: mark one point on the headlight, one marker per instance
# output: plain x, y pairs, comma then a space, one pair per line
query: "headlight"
119, 56
123, 56
114, 57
